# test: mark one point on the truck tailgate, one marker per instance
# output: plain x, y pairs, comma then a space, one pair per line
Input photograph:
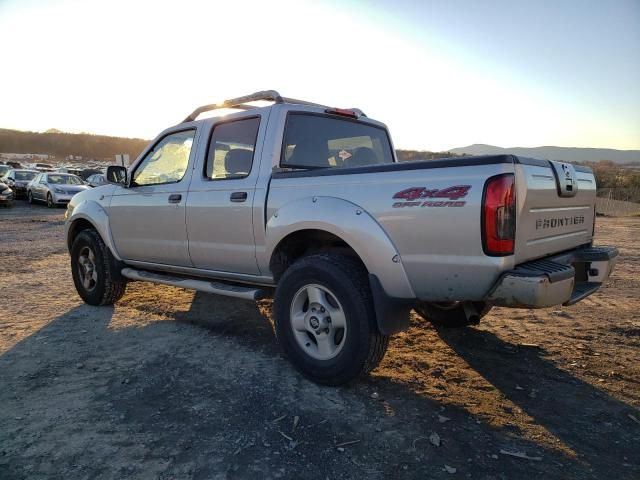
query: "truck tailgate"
555, 208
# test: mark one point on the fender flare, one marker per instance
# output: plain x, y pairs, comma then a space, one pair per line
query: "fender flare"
93, 213
365, 236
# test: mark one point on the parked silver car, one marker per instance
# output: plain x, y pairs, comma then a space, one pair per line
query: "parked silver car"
308, 203
6, 194
54, 188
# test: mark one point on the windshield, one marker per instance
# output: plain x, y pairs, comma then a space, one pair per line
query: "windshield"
64, 180
25, 175
320, 141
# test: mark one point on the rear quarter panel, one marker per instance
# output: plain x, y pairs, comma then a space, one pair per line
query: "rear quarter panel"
440, 246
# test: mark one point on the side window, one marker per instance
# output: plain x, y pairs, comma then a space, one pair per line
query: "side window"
230, 153
321, 141
42, 178
167, 162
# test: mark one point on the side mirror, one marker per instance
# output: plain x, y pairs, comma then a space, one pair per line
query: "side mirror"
117, 174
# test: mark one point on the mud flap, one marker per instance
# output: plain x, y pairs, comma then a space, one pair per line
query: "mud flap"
392, 314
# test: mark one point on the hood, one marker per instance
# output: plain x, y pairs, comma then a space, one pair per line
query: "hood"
70, 188
77, 188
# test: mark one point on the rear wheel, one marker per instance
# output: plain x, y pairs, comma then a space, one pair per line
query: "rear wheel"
94, 270
50, 203
452, 314
325, 320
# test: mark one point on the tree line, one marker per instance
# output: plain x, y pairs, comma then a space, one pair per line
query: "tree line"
412, 155
60, 144
616, 181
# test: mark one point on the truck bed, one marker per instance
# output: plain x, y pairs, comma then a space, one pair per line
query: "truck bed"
434, 220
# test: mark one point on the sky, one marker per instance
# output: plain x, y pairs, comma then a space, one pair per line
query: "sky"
440, 74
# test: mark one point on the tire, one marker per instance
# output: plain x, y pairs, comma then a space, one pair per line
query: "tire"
451, 315
343, 288
94, 270
50, 203
30, 197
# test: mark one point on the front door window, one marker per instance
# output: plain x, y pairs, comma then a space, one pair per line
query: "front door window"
167, 162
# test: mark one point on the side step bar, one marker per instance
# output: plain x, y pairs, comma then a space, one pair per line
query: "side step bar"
208, 286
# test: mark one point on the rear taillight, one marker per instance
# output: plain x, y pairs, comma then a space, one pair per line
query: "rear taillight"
499, 215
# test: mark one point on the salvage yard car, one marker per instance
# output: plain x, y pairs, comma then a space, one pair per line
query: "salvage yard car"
18, 179
6, 194
54, 188
308, 204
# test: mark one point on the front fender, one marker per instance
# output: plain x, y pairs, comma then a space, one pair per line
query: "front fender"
352, 224
95, 214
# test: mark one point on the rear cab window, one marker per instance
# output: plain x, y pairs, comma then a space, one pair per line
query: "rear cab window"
326, 141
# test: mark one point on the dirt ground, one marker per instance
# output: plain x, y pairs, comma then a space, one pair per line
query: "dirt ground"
172, 384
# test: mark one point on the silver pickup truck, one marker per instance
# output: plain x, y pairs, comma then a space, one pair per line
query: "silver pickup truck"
308, 204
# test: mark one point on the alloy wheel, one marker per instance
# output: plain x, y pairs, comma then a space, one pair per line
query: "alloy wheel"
318, 322
87, 269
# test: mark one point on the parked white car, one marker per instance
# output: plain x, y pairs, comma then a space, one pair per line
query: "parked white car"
54, 188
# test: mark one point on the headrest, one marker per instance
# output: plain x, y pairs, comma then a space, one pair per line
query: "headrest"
362, 156
313, 153
238, 161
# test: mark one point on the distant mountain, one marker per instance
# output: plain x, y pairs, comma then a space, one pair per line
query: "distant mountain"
566, 154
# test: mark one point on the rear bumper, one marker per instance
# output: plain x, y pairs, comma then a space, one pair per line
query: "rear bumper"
563, 279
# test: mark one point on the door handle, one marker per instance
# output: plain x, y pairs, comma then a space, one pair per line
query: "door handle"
175, 198
238, 196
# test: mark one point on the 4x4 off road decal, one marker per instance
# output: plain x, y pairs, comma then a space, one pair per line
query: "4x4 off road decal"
414, 196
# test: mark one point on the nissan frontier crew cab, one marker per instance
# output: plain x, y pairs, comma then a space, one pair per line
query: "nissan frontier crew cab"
308, 204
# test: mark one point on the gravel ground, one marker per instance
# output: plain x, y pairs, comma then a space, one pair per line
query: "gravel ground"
175, 384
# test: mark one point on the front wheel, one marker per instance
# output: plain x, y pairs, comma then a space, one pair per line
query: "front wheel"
94, 272
325, 320
50, 203
30, 197
452, 314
